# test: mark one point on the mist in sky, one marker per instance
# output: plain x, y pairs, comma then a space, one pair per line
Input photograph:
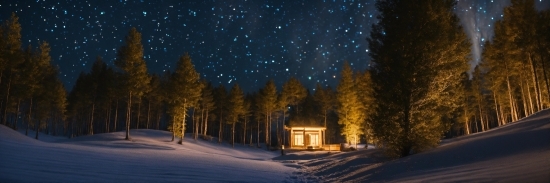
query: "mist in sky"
478, 18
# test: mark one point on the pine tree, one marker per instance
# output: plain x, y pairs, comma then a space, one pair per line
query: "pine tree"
350, 108
10, 59
46, 78
267, 104
326, 100
294, 91
502, 70
543, 45
247, 113
207, 104
235, 109
418, 52
220, 97
135, 78
365, 94
185, 91
520, 21
108, 90
153, 98
467, 102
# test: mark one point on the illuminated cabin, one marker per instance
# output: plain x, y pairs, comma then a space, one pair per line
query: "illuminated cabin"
306, 137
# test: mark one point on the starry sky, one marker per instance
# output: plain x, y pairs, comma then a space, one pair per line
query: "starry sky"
246, 41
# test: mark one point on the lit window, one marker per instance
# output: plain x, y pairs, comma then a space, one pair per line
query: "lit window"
299, 139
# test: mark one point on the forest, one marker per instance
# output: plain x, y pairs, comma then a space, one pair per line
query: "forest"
418, 89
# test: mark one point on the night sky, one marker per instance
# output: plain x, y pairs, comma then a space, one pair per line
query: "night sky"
248, 42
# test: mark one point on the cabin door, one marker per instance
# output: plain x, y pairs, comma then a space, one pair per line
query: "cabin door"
314, 139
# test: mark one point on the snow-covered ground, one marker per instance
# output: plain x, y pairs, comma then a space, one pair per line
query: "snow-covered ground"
149, 157
517, 152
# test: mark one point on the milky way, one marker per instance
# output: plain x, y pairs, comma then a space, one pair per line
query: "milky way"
247, 42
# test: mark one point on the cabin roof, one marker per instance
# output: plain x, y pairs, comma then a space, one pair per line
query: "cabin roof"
305, 127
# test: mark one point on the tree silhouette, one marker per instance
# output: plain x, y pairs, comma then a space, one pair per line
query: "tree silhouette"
185, 91
419, 51
135, 78
350, 108
235, 109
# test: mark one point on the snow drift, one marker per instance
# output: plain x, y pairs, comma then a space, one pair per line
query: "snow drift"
517, 152
149, 157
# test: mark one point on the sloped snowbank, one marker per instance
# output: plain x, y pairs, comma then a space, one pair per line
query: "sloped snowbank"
149, 157
517, 152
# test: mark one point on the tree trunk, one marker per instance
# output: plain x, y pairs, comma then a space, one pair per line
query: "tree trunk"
467, 125
536, 84
325, 116
277, 131
220, 131
244, 131
128, 115
91, 132
116, 116
7, 101
148, 114
29, 119
158, 120
233, 134
512, 109
503, 116
183, 121
524, 99
205, 122
258, 140
138, 114
37, 127
55, 123
108, 119
17, 114
496, 108
267, 130
512, 112
531, 106
541, 53
173, 129
194, 122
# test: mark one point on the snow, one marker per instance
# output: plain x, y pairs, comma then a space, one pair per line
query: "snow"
149, 157
517, 152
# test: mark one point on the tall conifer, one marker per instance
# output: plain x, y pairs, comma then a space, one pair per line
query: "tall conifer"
135, 78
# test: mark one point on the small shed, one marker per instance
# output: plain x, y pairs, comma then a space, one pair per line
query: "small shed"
306, 137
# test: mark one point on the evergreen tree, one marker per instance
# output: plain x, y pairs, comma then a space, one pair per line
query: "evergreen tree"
185, 91
520, 22
350, 108
135, 78
267, 104
10, 45
46, 78
207, 104
247, 113
220, 97
294, 91
364, 87
467, 102
326, 100
235, 109
10, 59
418, 51
154, 98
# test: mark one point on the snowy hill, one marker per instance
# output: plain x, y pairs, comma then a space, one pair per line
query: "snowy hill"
517, 152
149, 157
